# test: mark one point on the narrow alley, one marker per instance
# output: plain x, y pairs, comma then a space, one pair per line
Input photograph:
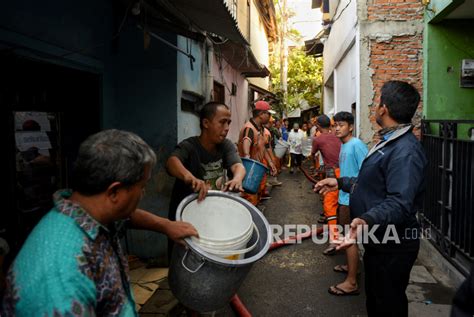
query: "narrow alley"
294, 280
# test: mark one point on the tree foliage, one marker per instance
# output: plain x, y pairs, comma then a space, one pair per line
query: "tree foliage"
305, 75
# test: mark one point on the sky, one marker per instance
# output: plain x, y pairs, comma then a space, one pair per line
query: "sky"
306, 20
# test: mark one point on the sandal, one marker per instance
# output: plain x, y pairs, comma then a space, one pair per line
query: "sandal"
337, 291
340, 268
322, 220
330, 250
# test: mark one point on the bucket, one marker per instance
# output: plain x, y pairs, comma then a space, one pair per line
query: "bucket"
206, 282
281, 147
253, 176
307, 146
225, 226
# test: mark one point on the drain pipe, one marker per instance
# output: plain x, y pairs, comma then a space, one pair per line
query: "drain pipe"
291, 240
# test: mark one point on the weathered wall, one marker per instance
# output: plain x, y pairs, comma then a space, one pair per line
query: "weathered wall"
391, 34
341, 63
194, 80
226, 75
258, 44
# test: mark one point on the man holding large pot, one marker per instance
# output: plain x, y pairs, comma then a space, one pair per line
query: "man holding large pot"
203, 162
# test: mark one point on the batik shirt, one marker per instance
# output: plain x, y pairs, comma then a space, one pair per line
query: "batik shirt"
70, 265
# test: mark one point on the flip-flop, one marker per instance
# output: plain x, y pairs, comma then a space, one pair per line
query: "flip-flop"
340, 268
330, 251
340, 292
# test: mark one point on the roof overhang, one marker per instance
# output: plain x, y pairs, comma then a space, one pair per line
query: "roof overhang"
212, 16
438, 10
315, 46
241, 58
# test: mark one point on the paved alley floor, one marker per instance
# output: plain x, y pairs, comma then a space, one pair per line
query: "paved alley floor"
293, 280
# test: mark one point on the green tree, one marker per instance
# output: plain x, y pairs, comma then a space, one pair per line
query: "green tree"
296, 78
305, 75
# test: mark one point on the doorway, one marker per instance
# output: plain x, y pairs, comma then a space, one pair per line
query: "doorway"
47, 111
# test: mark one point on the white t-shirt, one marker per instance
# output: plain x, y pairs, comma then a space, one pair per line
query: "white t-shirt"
295, 139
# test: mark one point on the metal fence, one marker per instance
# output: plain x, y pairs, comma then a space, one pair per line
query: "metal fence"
448, 209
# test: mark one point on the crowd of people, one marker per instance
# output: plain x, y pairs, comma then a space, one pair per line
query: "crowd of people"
73, 264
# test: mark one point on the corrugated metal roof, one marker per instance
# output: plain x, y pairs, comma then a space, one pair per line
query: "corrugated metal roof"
212, 16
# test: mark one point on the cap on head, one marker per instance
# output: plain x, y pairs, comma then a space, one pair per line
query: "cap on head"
263, 106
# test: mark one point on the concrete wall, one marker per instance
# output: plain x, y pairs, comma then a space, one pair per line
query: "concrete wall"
341, 38
226, 75
391, 33
195, 80
340, 60
345, 84
146, 102
258, 44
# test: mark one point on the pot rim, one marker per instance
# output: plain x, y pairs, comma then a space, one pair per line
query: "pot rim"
213, 258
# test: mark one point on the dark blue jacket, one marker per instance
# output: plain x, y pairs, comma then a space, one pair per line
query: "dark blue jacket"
390, 185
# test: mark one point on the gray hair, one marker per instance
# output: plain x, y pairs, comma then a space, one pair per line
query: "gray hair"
110, 156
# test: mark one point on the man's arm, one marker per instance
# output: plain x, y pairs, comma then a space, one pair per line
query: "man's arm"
175, 230
247, 142
176, 168
268, 158
332, 184
403, 181
314, 147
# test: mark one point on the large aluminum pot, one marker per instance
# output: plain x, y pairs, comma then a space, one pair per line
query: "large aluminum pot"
205, 282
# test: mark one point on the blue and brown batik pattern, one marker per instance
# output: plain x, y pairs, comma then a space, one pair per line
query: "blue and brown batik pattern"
70, 265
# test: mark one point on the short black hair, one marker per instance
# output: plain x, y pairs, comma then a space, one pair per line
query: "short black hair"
323, 121
208, 111
256, 113
401, 99
344, 116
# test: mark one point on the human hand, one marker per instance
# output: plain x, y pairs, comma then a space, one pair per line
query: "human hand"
273, 170
178, 230
325, 186
351, 237
199, 186
233, 185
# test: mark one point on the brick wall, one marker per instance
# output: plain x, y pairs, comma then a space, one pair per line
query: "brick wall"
396, 56
394, 10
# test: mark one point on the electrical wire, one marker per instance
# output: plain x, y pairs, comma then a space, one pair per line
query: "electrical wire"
342, 11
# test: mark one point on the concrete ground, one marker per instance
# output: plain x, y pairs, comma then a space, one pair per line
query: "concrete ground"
293, 280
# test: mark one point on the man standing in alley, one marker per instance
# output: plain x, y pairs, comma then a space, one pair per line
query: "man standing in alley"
72, 263
329, 146
203, 162
295, 138
353, 152
384, 199
254, 145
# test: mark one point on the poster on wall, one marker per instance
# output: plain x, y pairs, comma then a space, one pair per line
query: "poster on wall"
32, 121
35, 139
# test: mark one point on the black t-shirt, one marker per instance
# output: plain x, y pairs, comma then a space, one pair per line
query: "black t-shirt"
203, 165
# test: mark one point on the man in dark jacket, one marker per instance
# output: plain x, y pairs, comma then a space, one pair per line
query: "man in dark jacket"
384, 199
